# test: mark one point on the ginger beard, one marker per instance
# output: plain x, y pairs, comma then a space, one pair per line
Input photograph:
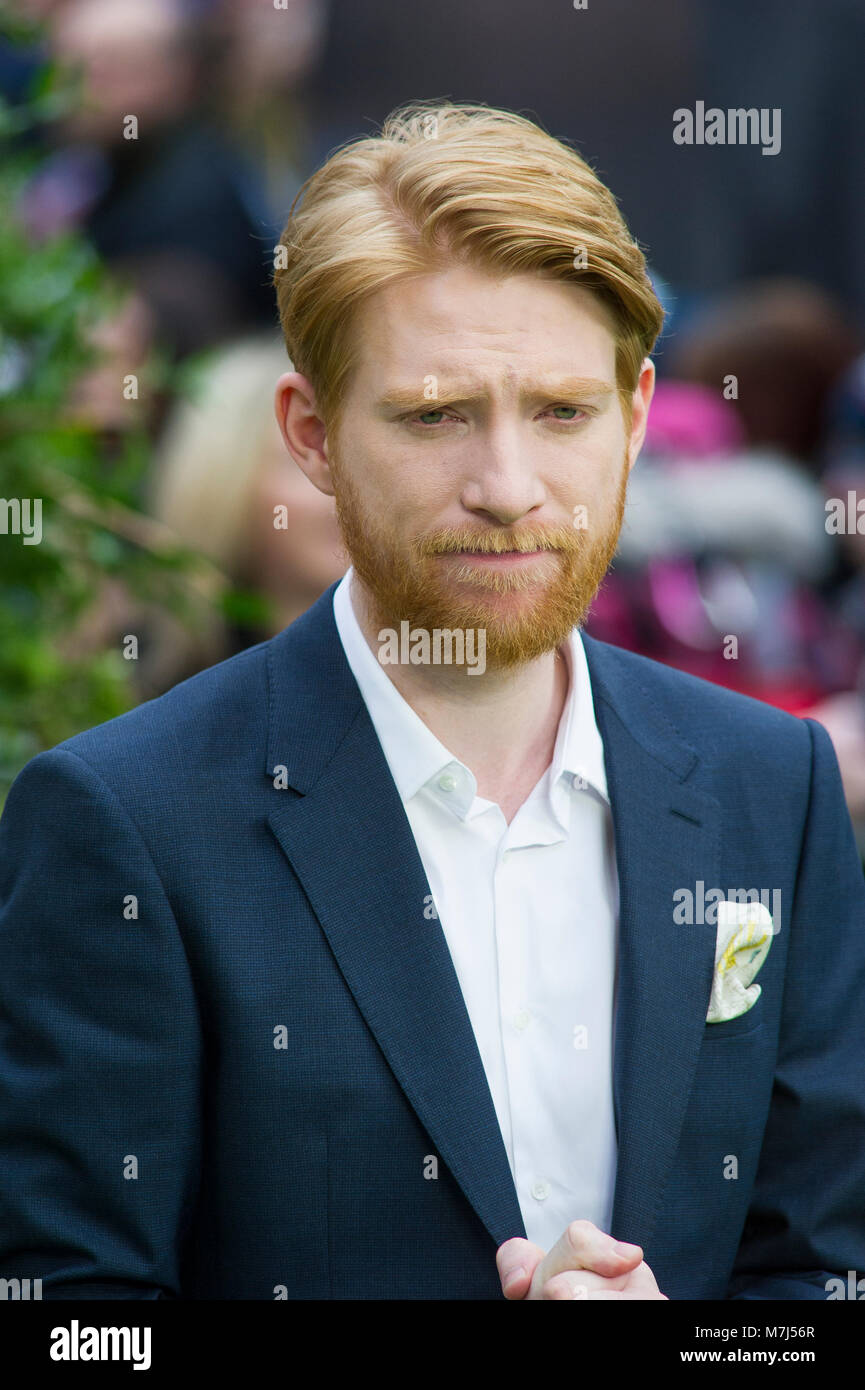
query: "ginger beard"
525, 611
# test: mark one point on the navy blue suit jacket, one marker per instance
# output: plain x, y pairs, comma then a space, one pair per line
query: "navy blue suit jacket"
232, 1039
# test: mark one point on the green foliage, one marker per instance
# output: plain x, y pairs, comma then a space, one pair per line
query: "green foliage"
51, 293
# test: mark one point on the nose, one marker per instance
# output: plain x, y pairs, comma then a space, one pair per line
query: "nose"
501, 481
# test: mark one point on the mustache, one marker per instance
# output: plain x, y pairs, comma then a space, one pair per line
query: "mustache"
491, 541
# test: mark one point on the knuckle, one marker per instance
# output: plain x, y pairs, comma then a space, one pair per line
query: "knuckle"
579, 1231
510, 1248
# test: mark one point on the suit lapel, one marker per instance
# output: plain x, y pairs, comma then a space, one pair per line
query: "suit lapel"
342, 826
350, 844
667, 838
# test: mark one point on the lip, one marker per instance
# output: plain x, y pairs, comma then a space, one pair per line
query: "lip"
503, 560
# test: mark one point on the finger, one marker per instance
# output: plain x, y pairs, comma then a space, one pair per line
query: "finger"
581, 1284
584, 1246
605, 1294
641, 1283
517, 1260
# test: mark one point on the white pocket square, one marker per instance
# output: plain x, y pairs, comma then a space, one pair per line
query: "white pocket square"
743, 941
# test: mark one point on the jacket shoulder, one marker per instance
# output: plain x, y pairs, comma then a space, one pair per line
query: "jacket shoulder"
695, 710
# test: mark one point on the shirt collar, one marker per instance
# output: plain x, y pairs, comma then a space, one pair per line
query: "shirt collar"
414, 754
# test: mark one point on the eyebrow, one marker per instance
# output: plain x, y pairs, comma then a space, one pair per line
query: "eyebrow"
464, 392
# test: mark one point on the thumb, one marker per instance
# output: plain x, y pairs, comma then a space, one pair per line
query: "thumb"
517, 1260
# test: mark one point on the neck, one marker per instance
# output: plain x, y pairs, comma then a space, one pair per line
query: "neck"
502, 724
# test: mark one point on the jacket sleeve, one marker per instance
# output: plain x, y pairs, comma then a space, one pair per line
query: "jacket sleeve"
806, 1222
100, 1046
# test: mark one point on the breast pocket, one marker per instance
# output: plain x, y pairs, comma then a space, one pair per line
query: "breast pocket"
749, 1022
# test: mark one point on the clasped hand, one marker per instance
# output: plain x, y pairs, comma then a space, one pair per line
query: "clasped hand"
585, 1262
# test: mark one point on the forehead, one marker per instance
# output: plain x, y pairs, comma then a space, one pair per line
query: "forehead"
504, 325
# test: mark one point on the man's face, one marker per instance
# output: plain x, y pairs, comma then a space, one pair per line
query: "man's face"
482, 457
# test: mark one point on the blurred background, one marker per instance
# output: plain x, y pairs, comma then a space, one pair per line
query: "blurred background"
151, 152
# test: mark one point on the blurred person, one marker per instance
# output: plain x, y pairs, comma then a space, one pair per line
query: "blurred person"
262, 58
842, 468
783, 344
135, 58
723, 540
114, 395
137, 168
841, 465
407, 919
115, 399
219, 486
843, 717
222, 485
790, 346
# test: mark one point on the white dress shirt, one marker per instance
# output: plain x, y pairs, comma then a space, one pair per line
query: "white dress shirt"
530, 915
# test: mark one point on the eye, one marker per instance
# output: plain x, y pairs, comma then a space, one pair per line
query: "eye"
439, 415
428, 420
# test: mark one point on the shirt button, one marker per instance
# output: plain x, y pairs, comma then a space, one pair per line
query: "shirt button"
540, 1191
522, 1019
447, 782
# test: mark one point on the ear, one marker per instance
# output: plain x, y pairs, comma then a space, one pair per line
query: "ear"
640, 402
302, 429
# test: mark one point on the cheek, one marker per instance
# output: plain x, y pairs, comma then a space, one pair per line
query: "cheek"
592, 470
396, 485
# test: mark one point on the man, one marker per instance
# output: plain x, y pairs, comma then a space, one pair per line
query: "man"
354, 967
